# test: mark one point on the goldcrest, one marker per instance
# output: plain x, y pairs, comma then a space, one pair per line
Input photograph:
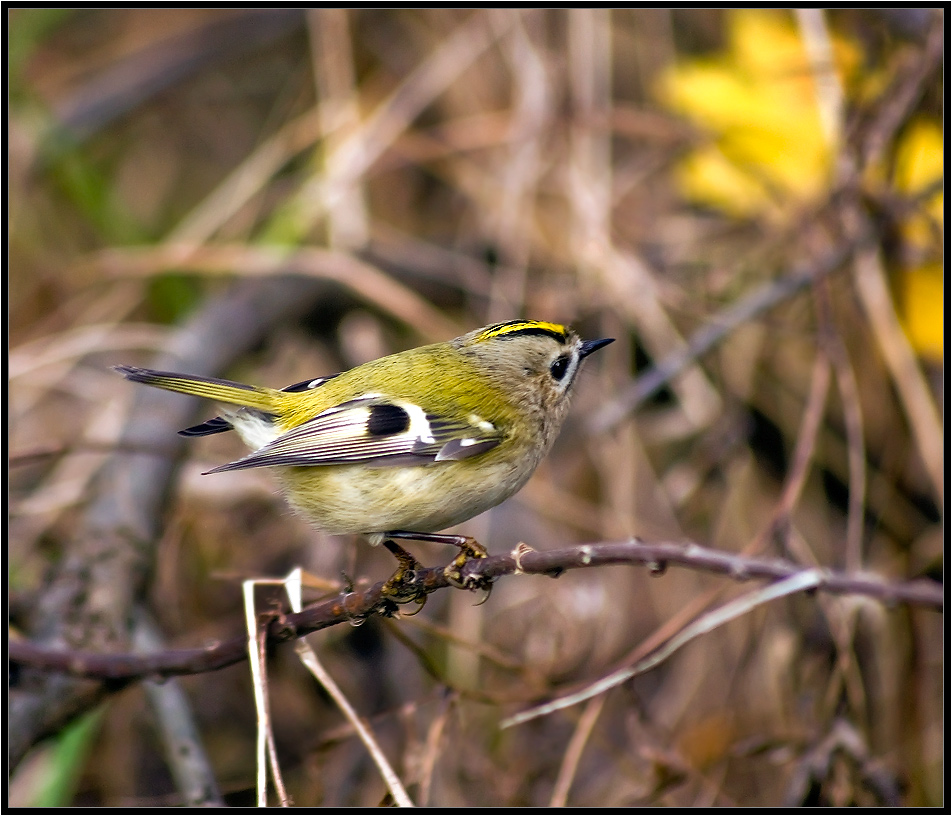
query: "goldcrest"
411, 443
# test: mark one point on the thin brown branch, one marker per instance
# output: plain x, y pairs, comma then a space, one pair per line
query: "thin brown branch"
915, 70
838, 356
715, 331
434, 738
341, 268
573, 753
121, 668
175, 722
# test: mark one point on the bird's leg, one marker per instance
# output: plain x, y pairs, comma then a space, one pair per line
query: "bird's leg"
469, 549
401, 587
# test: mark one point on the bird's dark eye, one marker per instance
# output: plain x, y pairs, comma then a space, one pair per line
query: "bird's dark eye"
559, 367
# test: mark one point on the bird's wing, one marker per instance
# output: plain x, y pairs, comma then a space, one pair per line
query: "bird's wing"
375, 430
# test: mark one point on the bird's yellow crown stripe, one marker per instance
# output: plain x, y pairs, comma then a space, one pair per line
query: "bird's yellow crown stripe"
517, 328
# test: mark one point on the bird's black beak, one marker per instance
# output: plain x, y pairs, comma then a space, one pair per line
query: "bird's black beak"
588, 346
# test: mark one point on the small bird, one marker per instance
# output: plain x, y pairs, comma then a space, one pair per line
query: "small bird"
409, 444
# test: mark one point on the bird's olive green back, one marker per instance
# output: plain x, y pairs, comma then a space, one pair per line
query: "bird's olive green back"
438, 376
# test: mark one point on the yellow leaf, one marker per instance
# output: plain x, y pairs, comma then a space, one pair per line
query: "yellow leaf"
708, 176
922, 302
920, 297
758, 101
920, 162
920, 157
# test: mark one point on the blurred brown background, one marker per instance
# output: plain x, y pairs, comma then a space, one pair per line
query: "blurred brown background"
313, 189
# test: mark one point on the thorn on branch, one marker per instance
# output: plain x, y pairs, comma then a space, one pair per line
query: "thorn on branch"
657, 568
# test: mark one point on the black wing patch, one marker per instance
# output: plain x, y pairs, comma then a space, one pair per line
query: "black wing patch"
387, 419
